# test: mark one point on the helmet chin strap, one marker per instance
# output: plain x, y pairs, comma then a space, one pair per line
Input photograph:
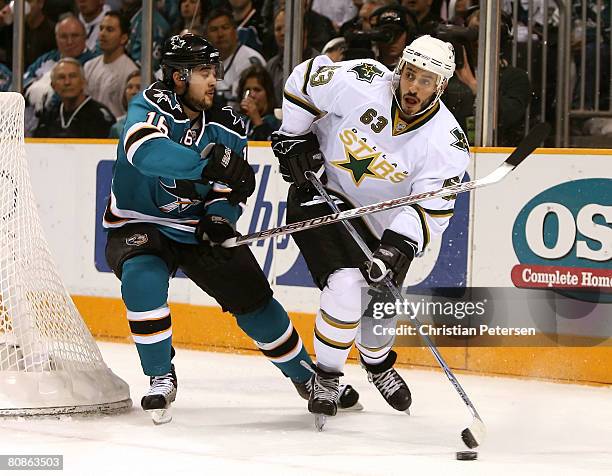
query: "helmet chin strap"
183, 97
435, 98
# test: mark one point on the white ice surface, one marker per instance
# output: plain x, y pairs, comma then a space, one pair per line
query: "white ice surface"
237, 415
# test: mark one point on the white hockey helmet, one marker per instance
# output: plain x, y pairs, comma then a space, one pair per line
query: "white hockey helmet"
430, 54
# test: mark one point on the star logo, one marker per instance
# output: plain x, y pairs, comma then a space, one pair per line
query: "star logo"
366, 72
460, 141
359, 167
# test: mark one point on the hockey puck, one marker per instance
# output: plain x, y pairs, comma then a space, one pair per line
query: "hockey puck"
467, 455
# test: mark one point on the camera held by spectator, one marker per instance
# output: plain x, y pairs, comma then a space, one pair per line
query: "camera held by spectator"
390, 31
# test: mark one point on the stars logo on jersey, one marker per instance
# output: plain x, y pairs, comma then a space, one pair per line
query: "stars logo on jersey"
366, 72
460, 141
162, 96
364, 160
180, 190
359, 167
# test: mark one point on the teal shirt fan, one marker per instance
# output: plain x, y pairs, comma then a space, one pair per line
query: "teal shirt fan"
156, 168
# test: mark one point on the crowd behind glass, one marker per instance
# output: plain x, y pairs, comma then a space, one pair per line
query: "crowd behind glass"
82, 57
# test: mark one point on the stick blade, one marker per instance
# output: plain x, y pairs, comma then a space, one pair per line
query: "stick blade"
474, 435
531, 142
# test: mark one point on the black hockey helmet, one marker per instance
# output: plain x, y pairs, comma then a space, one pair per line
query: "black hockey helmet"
184, 52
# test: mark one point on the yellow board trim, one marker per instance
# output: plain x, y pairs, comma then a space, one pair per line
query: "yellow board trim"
476, 150
542, 150
208, 328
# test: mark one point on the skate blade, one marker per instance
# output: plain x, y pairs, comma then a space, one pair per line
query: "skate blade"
355, 408
319, 421
160, 416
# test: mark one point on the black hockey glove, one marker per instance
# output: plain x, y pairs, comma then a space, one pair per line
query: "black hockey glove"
214, 228
211, 231
392, 258
296, 155
227, 167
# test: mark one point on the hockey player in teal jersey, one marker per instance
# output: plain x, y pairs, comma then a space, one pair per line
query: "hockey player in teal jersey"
179, 182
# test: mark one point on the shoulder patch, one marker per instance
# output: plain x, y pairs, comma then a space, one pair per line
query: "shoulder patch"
449, 182
227, 117
165, 101
460, 140
254, 60
366, 72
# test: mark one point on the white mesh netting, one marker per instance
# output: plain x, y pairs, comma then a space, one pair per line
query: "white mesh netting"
49, 362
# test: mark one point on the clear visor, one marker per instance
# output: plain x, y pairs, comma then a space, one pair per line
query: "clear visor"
206, 70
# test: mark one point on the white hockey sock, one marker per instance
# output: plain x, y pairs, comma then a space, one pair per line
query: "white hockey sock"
338, 318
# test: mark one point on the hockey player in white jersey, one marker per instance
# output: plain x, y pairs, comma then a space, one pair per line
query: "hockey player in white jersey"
373, 135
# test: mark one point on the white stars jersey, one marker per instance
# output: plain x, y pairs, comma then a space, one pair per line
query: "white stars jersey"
371, 154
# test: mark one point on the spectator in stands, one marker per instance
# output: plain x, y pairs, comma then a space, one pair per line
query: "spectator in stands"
77, 115
335, 49
6, 78
107, 74
367, 8
514, 90
425, 17
132, 9
91, 13
132, 87
258, 103
191, 18
320, 28
338, 11
70, 38
6, 33
39, 32
221, 32
249, 24
392, 20
357, 46
275, 65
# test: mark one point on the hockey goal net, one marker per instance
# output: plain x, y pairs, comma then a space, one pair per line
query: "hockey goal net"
49, 362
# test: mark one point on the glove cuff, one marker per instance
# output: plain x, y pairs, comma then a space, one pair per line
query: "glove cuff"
404, 244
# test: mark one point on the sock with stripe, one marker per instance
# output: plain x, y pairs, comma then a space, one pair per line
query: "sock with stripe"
144, 289
277, 339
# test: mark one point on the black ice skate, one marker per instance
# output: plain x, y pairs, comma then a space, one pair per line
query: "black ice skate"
324, 395
348, 399
389, 383
159, 397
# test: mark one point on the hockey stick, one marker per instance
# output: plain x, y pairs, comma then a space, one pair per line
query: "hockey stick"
534, 138
474, 434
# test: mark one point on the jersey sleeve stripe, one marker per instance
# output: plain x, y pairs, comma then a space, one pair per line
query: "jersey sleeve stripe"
302, 103
424, 225
439, 213
137, 136
307, 76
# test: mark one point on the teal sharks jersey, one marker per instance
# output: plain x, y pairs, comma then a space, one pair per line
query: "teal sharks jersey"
158, 162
